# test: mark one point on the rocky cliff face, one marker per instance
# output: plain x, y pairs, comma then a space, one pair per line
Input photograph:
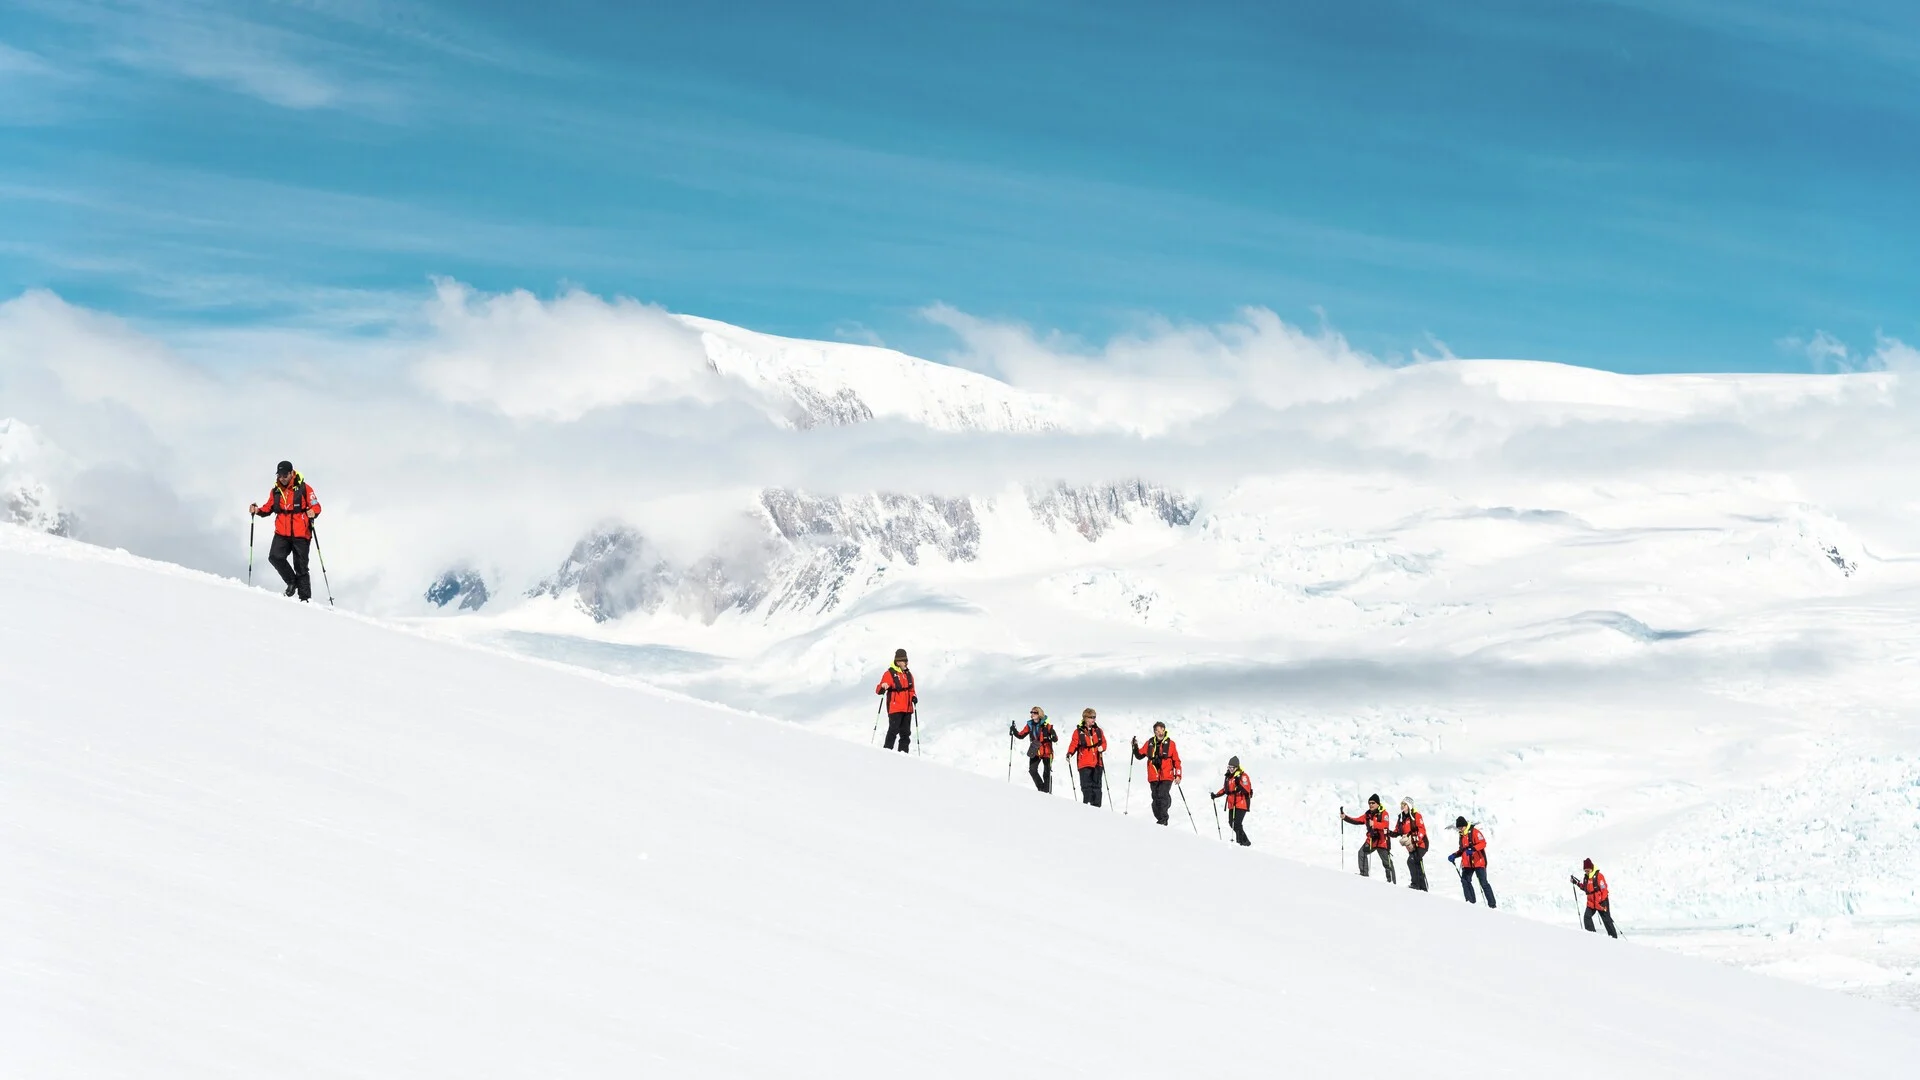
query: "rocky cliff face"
25, 497
819, 552
1092, 511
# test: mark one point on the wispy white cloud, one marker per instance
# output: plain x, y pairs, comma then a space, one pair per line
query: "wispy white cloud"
1825, 352
1165, 375
297, 54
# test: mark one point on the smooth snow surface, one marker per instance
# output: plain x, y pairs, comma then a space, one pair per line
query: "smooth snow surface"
250, 838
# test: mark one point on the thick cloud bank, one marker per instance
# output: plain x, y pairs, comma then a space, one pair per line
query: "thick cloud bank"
498, 429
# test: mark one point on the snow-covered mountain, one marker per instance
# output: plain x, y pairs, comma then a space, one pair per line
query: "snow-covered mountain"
1660, 621
815, 383
443, 861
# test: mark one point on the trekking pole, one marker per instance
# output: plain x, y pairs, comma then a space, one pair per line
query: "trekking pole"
874, 739
1188, 809
1009, 753
1129, 808
916, 729
251, 519
1341, 861
1108, 781
323, 561
1217, 834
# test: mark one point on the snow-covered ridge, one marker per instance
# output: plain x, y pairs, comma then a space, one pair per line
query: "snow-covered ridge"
824, 383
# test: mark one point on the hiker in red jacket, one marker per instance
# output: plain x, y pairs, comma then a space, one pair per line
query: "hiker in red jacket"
1089, 747
1238, 789
1472, 859
1378, 838
897, 686
1163, 769
1595, 886
293, 506
1040, 750
1411, 828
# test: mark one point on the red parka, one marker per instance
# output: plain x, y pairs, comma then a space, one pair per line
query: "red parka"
1595, 886
1379, 833
293, 506
1163, 758
1089, 744
1238, 789
898, 686
1413, 826
1473, 848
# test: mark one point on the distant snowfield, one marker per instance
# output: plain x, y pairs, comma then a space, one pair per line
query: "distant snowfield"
246, 837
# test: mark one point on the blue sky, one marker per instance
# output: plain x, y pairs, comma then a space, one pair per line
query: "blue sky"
1631, 184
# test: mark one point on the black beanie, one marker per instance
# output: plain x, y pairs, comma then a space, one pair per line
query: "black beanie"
1233, 763
1460, 823
283, 468
899, 655
1373, 798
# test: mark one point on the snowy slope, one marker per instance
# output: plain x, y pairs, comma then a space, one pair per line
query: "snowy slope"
250, 838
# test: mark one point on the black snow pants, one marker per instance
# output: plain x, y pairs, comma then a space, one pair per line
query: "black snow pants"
295, 575
1238, 819
1162, 799
899, 726
1606, 916
1090, 784
1416, 870
1466, 883
1041, 769
1386, 860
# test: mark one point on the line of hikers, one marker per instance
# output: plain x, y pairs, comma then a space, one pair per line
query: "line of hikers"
1088, 747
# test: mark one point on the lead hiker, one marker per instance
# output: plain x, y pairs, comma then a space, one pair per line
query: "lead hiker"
293, 507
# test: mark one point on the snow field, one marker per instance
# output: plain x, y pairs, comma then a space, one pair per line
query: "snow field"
251, 838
